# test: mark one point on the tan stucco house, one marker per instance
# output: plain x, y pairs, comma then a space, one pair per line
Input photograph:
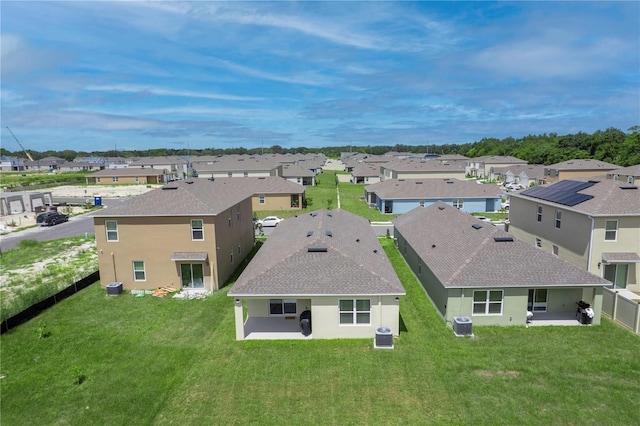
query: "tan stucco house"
421, 169
577, 168
629, 174
187, 235
127, 176
475, 270
594, 224
327, 266
482, 167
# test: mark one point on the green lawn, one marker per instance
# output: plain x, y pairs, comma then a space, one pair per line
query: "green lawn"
165, 361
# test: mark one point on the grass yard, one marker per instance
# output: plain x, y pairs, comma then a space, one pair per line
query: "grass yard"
166, 361
13, 179
350, 201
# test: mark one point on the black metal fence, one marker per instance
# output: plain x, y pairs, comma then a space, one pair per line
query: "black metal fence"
35, 310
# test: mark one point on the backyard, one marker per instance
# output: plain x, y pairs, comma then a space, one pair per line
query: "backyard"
95, 359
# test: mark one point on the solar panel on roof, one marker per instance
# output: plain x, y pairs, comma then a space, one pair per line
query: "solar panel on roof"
564, 192
502, 239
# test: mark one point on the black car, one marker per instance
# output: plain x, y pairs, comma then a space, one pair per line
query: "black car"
51, 218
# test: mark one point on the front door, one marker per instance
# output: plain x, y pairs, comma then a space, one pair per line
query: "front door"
617, 274
537, 300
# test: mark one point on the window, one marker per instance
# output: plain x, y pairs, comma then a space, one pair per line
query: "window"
192, 275
538, 242
298, 180
114, 179
138, 271
611, 230
245, 174
97, 180
556, 250
558, 219
421, 203
537, 300
261, 198
487, 302
230, 219
231, 255
419, 268
539, 213
230, 174
617, 273
197, 230
137, 179
279, 307
630, 179
112, 230
458, 203
355, 311
616, 177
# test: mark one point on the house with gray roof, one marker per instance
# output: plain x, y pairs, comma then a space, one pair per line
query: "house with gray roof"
127, 176
188, 235
269, 192
366, 174
235, 166
577, 168
298, 174
421, 169
471, 269
175, 167
525, 175
480, 167
399, 196
592, 223
8, 163
629, 174
325, 266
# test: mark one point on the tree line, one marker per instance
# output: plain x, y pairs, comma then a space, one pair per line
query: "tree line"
610, 145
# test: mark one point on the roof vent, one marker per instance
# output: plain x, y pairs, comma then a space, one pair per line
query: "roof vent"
594, 181
188, 181
476, 226
441, 208
449, 181
169, 187
309, 233
629, 187
375, 251
418, 183
328, 233
261, 178
314, 214
357, 240
329, 214
503, 239
316, 249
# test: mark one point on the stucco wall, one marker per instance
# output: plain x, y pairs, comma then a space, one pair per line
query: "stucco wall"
275, 202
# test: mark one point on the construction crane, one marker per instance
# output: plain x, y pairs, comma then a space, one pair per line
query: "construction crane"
25, 151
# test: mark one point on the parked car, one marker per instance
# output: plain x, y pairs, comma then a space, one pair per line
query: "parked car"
514, 186
51, 218
269, 221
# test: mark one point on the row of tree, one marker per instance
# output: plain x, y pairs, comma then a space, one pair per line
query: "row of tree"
611, 145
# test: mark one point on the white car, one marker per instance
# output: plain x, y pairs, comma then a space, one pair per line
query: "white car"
270, 221
484, 219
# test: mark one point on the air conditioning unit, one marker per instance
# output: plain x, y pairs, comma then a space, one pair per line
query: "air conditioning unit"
462, 326
114, 289
384, 338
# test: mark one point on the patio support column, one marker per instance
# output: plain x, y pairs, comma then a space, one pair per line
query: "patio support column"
239, 316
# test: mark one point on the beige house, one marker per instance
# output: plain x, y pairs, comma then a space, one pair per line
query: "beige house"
577, 168
325, 266
523, 174
594, 224
127, 176
629, 174
173, 166
475, 270
235, 166
421, 169
187, 235
481, 167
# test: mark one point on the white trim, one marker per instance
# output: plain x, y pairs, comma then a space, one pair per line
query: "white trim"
106, 230
144, 272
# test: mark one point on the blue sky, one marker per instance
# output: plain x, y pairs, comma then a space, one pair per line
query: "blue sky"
139, 75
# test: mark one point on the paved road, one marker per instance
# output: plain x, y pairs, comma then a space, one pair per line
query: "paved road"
77, 226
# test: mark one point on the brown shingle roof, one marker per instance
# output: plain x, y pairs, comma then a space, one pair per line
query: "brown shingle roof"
432, 188
354, 263
462, 256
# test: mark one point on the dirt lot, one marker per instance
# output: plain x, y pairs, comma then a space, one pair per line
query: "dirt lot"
16, 222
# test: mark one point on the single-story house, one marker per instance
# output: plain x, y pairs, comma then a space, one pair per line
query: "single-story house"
366, 174
471, 269
399, 196
325, 266
20, 202
122, 176
421, 169
298, 174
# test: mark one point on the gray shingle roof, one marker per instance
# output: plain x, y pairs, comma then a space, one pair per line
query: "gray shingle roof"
354, 262
462, 256
394, 189
126, 171
583, 164
626, 171
424, 166
609, 199
201, 197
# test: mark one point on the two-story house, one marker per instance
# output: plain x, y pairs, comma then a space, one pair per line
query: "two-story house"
188, 235
594, 224
629, 174
578, 168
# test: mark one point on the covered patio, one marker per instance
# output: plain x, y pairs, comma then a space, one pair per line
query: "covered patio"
554, 318
273, 328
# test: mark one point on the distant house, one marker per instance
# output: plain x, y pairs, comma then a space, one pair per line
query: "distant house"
235, 166
471, 269
327, 266
21, 202
80, 166
127, 175
269, 193
421, 169
188, 235
174, 167
298, 174
8, 163
523, 174
46, 164
578, 168
629, 174
594, 224
366, 174
481, 167
399, 196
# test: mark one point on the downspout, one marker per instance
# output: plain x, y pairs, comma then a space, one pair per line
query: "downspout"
590, 244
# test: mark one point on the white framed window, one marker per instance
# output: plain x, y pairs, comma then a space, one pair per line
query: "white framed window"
192, 275
537, 300
261, 198
114, 179
138, 271
630, 179
111, 227
239, 249
458, 203
281, 307
487, 302
611, 230
539, 218
421, 203
555, 249
197, 230
355, 311
558, 219
97, 180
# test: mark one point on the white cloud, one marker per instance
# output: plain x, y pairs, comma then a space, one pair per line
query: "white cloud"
130, 88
